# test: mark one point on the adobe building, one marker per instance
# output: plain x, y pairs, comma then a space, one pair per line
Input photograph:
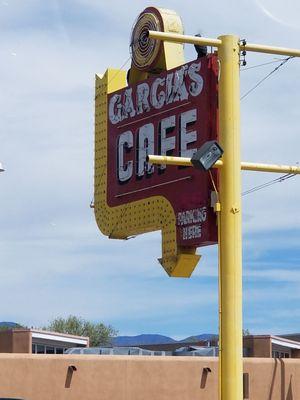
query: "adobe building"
270, 346
34, 341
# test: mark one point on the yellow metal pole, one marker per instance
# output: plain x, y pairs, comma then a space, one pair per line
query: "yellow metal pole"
245, 166
230, 229
230, 239
169, 160
285, 169
178, 38
260, 48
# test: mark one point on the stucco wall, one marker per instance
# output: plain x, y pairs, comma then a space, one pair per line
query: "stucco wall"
15, 341
6, 342
295, 353
258, 346
21, 341
43, 377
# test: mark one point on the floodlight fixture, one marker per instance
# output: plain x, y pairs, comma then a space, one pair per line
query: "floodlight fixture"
207, 155
201, 50
1, 168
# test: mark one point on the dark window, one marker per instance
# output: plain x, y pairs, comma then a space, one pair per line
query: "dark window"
49, 350
59, 350
280, 354
246, 352
40, 349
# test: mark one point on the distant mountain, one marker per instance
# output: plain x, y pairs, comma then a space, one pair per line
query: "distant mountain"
9, 325
158, 339
141, 339
204, 336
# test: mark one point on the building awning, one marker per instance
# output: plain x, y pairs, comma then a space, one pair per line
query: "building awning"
285, 343
59, 338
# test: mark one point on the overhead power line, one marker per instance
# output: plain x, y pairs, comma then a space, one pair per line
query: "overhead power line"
262, 65
267, 76
269, 183
119, 70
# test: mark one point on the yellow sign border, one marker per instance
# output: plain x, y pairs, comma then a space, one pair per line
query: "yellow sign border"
152, 214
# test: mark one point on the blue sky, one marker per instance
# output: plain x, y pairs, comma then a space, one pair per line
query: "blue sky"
53, 260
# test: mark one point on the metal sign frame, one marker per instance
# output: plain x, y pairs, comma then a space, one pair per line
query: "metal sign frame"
229, 204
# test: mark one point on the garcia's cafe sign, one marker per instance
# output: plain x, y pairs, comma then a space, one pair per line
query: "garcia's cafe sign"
162, 106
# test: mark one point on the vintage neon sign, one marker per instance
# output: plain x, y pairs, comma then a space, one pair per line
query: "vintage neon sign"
173, 113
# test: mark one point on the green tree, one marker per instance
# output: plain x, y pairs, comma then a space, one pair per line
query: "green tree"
99, 334
246, 332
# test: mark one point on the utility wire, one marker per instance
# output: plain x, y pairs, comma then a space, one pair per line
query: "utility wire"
119, 70
125, 63
261, 65
266, 77
269, 183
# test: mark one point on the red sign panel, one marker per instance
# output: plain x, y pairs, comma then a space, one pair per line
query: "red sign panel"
173, 113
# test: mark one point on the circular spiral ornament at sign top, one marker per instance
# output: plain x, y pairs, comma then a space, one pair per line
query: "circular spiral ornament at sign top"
145, 51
